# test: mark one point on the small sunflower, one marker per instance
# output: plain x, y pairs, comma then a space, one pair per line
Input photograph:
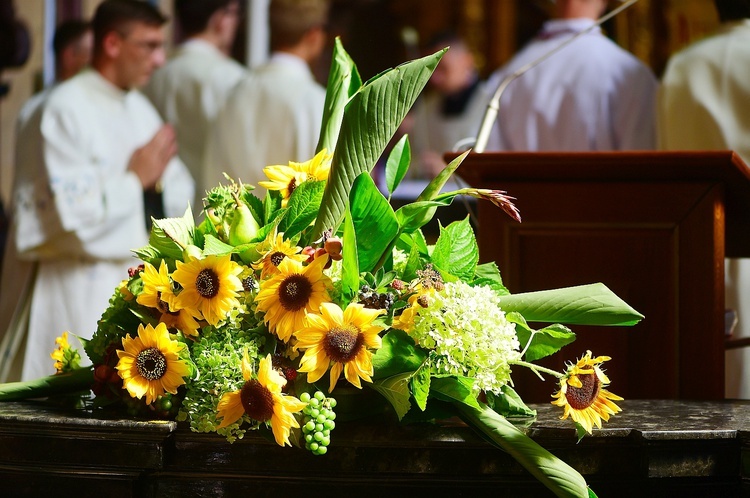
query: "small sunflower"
66, 358
274, 249
209, 287
291, 293
149, 364
286, 178
157, 288
341, 340
261, 399
582, 395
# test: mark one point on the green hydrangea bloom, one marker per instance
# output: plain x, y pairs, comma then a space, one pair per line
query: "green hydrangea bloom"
468, 334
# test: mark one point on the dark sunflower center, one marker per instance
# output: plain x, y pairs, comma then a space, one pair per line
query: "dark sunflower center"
277, 257
257, 400
151, 364
295, 292
342, 344
207, 283
580, 398
292, 185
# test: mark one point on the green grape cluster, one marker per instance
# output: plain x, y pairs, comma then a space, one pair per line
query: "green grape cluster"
318, 421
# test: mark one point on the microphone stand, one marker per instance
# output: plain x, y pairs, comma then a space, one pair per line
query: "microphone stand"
490, 115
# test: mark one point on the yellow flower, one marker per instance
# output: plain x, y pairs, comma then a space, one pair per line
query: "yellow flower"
66, 358
262, 400
291, 293
157, 288
339, 339
149, 364
286, 178
582, 395
274, 250
417, 301
209, 287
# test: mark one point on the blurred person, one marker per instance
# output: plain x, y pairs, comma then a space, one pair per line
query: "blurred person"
80, 200
452, 107
194, 84
704, 104
274, 114
591, 95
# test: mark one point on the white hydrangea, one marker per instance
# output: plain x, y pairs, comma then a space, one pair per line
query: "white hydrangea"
469, 334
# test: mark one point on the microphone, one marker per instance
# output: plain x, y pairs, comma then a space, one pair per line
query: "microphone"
493, 107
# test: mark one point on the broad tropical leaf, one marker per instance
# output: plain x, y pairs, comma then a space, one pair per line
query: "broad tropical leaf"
374, 222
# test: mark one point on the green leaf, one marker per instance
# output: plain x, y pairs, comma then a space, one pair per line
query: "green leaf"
398, 163
559, 477
592, 304
432, 190
374, 222
215, 247
509, 403
371, 118
412, 264
540, 343
455, 390
397, 354
302, 208
170, 235
420, 386
489, 274
350, 268
343, 82
77, 380
415, 215
396, 390
456, 251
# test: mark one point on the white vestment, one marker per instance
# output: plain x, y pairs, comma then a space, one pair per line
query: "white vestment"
78, 212
704, 104
272, 116
188, 92
438, 130
591, 95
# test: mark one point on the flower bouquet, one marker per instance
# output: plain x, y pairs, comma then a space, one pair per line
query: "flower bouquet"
260, 315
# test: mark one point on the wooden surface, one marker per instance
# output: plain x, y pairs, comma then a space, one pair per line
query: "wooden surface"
653, 448
651, 226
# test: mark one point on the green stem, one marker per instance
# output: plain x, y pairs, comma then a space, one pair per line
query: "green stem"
537, 368
80, 379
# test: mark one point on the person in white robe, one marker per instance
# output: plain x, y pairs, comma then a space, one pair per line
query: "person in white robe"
274, 114
79, 204
591, 95
193, 85
704, 104
448, 114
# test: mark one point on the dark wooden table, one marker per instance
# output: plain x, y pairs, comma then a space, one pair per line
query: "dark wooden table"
654, 448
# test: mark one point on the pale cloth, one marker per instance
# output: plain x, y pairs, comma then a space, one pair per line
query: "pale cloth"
78, 212
437, 132
272, 116
592, 95
188, 92
704, 104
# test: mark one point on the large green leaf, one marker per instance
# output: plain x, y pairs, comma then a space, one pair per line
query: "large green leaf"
350, 268
374, 222
456, 250
169, 236
458, 390
592, 304
562, 479
80, 379
397, 354
343, 82
396, 390
371, 118
541, 343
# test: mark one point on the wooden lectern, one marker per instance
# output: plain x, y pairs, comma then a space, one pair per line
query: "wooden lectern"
652, 226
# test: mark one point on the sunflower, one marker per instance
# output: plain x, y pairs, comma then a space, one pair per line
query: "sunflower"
149, 363
582, 394
339, 339
274, 249
209, 286
157, 288
286, 178
261, 399
291, 293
